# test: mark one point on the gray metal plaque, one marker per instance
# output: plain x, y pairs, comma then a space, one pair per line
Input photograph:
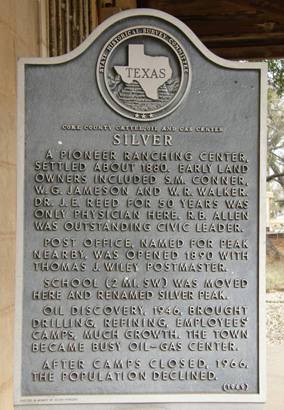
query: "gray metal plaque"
140, 220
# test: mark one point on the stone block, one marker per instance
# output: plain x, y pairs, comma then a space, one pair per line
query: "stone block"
7, 130
7, 61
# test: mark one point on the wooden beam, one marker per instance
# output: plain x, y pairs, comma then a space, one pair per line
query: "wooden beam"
236, 25
93, 14
273, 9
249, 52
232, 28
201, 7
105, 11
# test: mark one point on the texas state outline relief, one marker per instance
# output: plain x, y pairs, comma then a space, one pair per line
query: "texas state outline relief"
149, 71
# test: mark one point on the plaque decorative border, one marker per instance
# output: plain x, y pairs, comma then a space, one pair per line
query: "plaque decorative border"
22, 401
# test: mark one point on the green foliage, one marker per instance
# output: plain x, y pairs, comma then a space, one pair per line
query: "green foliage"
275, 137
276, 76
275, 122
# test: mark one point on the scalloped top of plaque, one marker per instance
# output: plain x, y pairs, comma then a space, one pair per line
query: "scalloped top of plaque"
141, 64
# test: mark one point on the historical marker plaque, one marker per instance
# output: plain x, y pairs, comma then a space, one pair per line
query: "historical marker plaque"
140, 224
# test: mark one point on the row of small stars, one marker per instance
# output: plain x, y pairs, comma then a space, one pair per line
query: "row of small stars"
143, 116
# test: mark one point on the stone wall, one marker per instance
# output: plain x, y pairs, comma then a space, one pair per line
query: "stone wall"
19, 37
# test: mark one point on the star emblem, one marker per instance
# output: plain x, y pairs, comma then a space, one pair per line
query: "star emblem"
143, 116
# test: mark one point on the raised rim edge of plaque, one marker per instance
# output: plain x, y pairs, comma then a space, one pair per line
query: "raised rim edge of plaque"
137, 398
